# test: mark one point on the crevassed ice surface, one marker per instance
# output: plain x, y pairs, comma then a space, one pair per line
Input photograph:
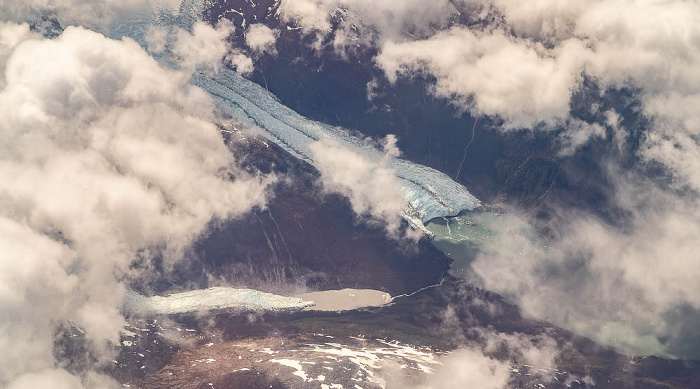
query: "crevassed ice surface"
429, 192
212, 298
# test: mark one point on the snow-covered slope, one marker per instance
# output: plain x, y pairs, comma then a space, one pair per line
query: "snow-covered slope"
212, 298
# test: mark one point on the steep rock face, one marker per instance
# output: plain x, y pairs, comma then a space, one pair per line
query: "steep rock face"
303, 239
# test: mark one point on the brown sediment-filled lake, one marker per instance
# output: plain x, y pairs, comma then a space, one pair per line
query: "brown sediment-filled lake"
345, 299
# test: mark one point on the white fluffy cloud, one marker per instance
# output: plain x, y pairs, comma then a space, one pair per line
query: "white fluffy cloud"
105, 158
261, 38
539, 351
522, 62
643, 44
205, 47
492, 73
617, 287
525, 64
466, 367
578, 133
489, 71
241, 62
542, 19
371, 186
631, 279
11, 35
390, 19
485, 366
49, 378
156, 39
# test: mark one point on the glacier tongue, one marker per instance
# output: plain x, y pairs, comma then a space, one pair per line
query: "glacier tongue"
212, 298
429, 193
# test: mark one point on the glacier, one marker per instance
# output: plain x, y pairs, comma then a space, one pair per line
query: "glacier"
215, 298
429, 193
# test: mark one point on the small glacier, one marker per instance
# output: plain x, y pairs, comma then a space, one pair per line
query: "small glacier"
429, 193
211, 299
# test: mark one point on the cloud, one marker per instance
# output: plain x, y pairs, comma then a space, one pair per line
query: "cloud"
487, 365
204, 47
371, 186
241, 62
578, 133
522, 63
551, 20
106, 158
11, 35
539, 351
488, 71
61, 379
50, 378
465, 367
261, 38
156, 39
492, 73
620, 287
651, 46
